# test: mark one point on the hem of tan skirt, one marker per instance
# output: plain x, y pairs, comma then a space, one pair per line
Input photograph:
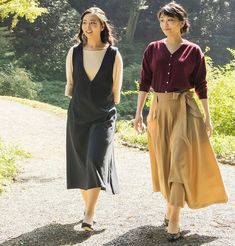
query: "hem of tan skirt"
206, 204
202, 205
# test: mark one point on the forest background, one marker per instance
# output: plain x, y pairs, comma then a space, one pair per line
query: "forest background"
34, 43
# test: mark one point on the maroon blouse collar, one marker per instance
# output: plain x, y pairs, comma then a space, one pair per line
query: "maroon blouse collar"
162, 41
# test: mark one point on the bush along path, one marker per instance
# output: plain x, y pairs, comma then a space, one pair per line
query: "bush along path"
38, 210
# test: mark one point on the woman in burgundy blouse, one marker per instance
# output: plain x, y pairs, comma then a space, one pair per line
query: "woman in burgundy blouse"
183, 165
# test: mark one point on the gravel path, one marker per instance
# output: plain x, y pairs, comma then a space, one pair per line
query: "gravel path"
38, 210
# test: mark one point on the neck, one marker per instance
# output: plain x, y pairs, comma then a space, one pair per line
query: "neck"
174, 40
94, 44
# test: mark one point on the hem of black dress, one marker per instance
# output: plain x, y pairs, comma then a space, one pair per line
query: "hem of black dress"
109, 191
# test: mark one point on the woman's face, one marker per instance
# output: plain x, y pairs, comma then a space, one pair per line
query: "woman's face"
91, 26
170, 26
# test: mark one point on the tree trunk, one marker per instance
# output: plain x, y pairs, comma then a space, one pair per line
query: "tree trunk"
132, 22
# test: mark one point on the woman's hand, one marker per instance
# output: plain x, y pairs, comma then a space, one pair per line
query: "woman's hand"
138, 124
209, 128
206, 110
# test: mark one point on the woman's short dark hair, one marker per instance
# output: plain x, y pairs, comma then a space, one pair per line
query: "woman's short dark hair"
174, 9
107, 35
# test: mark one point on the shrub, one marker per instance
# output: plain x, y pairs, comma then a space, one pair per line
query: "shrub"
224, 146
17, 82
221, 97
126, 109
127, 133
8, 155
131, 74
52, 92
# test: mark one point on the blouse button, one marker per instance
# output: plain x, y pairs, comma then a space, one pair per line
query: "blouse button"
170, 55
168, 73
165, 91
167, 82
169, 64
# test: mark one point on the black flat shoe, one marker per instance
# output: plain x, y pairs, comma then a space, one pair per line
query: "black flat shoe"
171, 237
87, 227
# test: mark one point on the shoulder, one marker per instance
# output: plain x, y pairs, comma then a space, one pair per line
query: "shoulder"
191, 44
76, 47
157, 44
71, 50
113, 49
193, 47
118, 56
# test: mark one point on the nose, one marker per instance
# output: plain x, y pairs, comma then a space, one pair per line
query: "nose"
165, 24
88, 27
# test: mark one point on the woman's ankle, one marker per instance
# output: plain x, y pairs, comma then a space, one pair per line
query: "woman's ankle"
173, 226
89, 217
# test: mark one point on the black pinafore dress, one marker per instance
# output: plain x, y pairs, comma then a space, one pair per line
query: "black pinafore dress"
90, 127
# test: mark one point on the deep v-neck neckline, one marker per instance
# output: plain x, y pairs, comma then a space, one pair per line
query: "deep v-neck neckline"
102, 62
166, 48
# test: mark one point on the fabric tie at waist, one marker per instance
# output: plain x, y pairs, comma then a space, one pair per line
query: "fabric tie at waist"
186, 100
187, 104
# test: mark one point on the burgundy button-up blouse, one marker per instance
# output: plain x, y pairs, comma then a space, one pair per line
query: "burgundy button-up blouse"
166, 72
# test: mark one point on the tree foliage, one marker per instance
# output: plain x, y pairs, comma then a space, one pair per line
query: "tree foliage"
6, 51
51, 36
29, 9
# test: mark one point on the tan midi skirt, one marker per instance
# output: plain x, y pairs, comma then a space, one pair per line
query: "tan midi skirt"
180, 151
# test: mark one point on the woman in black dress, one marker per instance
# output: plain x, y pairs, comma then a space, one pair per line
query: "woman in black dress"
94, 77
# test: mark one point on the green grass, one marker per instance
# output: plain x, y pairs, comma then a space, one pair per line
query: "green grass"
126, 132
8, 157
224, 146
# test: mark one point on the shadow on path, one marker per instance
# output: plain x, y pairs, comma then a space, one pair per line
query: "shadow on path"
52, 235
152, 236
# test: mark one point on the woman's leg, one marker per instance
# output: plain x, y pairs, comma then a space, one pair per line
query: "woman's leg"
177, 197
168, 211
90, 198
84, 196
174, 219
